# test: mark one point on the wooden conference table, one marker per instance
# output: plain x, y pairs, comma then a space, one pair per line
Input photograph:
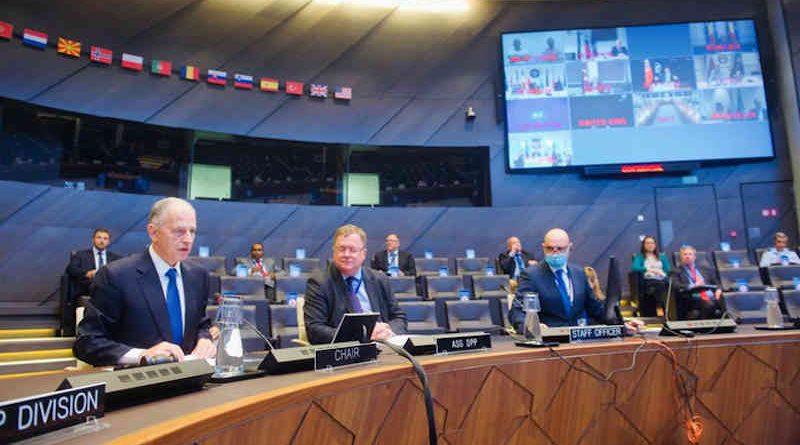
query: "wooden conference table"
746, 388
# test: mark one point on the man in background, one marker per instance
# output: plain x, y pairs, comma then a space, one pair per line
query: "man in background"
779, 254
392, 256
515, 259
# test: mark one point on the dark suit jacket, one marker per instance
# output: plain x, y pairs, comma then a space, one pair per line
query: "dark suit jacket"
681, 280
327, 300
507, 263
541, 279
684, 298
380, 261
81, 262
128, 310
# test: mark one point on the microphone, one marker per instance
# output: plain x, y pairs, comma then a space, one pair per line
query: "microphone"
258, 332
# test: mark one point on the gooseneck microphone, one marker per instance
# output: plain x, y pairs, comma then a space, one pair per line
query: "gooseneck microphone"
258, 332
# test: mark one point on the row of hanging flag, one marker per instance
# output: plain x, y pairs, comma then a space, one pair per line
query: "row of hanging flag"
133, 62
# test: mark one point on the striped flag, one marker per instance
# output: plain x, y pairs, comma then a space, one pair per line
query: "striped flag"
34, 38
189, 72
216, 77
101, 55
161, 67
318, 90
344, 93
132, 62
69, 47
6, 30
294, 88
268, 84
243, 81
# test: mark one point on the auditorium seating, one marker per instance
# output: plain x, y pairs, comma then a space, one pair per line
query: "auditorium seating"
404, 288
283, 325
791, 301
443, 287
422, 317
784, 277
469, 316
732, 278
731, 259
490, 286
242, 285
471, 266
213, 264
747, 307
285, 285
430, 266
305, 265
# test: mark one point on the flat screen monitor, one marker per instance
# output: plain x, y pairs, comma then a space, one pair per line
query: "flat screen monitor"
356, 327
639, 94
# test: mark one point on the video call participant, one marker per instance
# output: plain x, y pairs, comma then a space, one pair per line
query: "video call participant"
780, 254
348, 287
153, 304
692, 303
564, 292
393, 256
515, 259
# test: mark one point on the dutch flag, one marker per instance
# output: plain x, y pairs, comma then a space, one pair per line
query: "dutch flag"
34, 38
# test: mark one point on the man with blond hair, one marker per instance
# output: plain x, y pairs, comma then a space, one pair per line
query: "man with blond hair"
348, 287
150, 306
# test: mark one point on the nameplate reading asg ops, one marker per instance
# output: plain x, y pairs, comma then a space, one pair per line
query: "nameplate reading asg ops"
31, 416
344, 354
588, 333
463, 342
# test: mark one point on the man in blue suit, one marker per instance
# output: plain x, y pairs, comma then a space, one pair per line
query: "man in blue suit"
564, 292
150, 305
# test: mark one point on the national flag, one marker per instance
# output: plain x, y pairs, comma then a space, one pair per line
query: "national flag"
190, 72
161, 67
132, 62
34, 38
318, 90
101, 55
217, 77
69, 47
243, 81
345, 93
6, 30
268, 84
295, 88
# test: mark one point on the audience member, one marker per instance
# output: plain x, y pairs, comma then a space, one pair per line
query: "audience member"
515, 259
153, 304
654, 268
392, 256
692, 301
258, 265
565, 295
348, 287
780, 254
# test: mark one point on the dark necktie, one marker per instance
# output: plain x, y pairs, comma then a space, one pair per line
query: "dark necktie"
392, 259
174, 307
562, 289
100, 260
353, 284
704, 295
520, 266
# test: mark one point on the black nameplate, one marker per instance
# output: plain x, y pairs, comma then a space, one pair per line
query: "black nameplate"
589, 333
31, 416
344, 354
463, 342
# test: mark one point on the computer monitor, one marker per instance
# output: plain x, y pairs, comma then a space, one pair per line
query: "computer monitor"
356, 327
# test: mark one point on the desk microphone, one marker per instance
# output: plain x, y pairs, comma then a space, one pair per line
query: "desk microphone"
258, 332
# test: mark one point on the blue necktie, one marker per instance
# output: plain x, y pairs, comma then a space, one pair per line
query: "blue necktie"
100, 262
520, 266
393, 259
174, 308
352, 285
562, 289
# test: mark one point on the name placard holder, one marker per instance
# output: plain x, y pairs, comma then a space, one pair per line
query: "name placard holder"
592, 333
467, 342
32, 416
344, 354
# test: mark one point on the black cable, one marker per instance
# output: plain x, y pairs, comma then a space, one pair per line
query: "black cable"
426, 389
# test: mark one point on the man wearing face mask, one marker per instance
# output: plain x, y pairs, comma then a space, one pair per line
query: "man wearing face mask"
564, 292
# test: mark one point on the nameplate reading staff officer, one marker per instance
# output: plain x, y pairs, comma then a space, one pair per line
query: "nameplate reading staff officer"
348, 287
151, 304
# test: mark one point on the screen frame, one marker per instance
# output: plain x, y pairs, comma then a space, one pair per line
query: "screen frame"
765, 45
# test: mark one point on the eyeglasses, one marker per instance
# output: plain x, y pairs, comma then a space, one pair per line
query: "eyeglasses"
555, 249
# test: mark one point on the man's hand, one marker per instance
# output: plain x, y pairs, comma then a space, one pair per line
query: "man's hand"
164, 349
532, 262
633, 325
205, 349
382, 331
90, 274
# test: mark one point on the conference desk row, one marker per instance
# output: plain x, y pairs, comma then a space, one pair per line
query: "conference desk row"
745, 386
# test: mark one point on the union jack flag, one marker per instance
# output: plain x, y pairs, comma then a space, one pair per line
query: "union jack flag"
317, 90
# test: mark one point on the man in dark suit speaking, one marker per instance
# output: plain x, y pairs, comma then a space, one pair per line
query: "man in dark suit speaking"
150, 305
564, 292
393, 256
348, 287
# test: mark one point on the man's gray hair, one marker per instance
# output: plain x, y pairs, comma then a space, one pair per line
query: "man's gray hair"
161, 207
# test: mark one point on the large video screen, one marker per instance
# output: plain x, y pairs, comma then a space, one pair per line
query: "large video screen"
639, 94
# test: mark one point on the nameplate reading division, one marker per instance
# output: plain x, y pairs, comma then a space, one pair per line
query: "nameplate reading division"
588, 333
463, 342
28, 417
344, 355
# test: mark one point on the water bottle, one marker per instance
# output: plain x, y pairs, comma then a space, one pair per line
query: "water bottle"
531, 329
774, 317
230, 353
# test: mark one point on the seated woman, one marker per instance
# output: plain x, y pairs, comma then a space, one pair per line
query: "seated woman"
654, 267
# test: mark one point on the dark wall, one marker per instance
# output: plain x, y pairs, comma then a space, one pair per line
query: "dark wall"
413, 74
